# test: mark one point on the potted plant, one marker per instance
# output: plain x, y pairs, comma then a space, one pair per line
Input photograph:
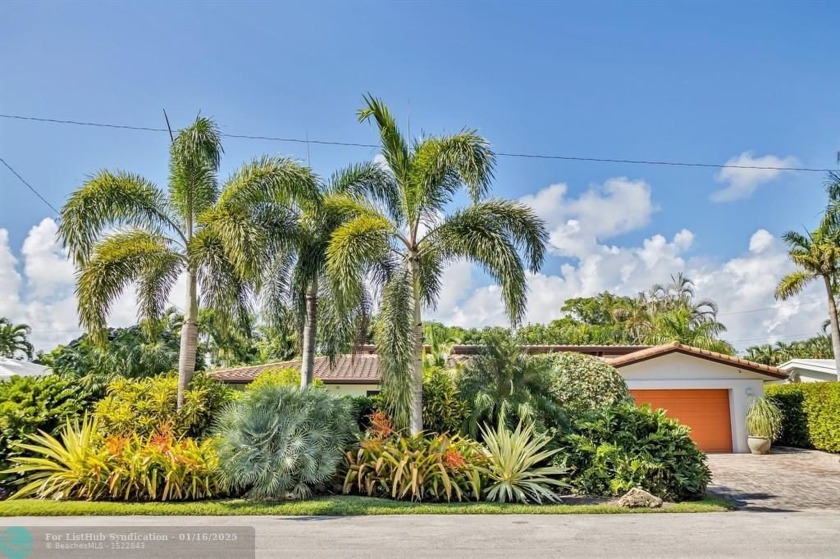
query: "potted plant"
764, 425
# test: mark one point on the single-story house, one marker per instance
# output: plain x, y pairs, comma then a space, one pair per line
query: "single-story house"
707, 391
13, 368
810, 370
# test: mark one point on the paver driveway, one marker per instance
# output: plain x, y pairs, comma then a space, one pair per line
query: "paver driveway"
787, 479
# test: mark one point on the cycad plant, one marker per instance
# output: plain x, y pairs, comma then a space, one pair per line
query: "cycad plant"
277, 442
513, 466
121, 229
401, 238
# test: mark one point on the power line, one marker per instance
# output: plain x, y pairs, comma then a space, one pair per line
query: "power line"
32, 188
500, 154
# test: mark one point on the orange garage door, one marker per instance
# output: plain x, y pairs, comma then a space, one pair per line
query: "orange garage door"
705, 411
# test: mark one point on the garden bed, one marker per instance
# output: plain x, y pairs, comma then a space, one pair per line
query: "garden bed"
334, 506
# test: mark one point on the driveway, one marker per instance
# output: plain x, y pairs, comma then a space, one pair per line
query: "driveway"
787, 479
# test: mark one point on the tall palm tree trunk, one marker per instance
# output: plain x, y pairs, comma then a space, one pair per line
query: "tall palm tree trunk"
416, 416
189, 339
310, 332
835, 330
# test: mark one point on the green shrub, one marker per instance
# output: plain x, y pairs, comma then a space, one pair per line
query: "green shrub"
416, 468
278, 442
443, 409
615, 449
579, 383
513, 465
81, 464
281, 377
144, 405
810, 414
32, 404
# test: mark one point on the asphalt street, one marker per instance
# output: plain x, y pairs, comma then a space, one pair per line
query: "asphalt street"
733, 534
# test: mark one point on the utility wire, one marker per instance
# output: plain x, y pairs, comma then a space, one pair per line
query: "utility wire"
32, 188
500, 154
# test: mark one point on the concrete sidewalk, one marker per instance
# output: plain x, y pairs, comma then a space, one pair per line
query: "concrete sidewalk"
733, 534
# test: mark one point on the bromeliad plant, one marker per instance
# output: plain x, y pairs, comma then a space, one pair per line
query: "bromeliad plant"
81, 465
513, 465
416, 468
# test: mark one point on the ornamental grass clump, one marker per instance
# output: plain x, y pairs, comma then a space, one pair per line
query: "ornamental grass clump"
281, 442
764, 419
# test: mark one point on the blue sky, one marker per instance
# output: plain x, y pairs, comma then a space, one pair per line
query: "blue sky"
701, 82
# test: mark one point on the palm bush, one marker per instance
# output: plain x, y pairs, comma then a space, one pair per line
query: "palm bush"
416, 468
612, 450
513, 465
278, 442
764, 419
504, 381
282, 377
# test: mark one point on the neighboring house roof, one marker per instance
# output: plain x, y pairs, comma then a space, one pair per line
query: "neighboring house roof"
811, 369
13, 367
676, 347
345, 369
816, 365
363, 366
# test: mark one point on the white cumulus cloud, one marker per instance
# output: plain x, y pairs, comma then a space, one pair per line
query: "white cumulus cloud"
741, 183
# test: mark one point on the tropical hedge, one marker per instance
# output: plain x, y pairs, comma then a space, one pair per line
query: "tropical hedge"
811, 413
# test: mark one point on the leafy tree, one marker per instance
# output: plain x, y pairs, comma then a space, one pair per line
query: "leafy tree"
402, 239
14, 339
817, 256
121, 229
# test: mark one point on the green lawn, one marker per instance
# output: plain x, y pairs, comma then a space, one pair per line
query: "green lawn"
326, 506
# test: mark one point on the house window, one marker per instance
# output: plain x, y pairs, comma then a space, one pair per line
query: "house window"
372, 393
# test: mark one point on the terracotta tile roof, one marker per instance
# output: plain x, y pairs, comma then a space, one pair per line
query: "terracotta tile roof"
676, 347
346, 369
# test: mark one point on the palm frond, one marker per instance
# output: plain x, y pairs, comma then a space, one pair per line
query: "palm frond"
793, 283
394, 147
111, 200
194, 161
115, 263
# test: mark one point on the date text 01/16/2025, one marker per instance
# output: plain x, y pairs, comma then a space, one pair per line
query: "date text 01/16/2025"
102, 542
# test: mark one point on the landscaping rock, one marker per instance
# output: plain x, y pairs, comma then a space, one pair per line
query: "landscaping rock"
639, 498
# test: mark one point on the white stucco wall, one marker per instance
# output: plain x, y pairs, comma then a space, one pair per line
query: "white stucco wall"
682, 371
352, 389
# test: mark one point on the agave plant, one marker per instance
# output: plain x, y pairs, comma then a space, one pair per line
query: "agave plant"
74, 467
277, 441
513, 465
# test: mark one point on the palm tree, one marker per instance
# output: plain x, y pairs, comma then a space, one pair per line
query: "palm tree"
14, 339
817, 256
401, 239
121, 229
312, 297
